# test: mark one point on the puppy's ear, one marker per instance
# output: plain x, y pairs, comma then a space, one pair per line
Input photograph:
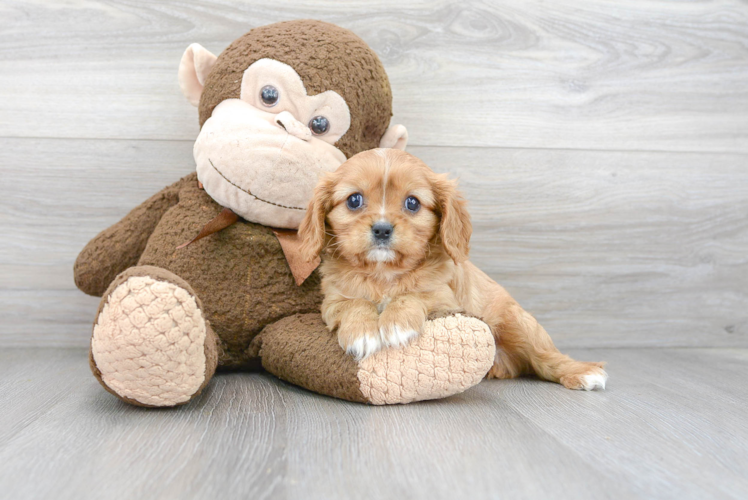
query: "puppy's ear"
455, 227
312, 227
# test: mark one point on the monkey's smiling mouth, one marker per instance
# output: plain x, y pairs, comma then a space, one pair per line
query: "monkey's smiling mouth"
249, 192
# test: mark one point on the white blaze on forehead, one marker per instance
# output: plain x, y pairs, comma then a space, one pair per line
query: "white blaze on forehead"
383, 153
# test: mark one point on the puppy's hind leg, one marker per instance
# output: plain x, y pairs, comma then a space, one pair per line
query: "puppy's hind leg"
523, 347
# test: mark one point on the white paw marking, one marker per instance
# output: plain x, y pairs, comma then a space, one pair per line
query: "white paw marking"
594, 381
364, 347
396, 336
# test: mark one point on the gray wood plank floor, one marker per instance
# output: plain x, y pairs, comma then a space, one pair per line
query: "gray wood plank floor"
672, 424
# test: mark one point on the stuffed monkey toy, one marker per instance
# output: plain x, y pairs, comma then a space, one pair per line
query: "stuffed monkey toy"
206, 273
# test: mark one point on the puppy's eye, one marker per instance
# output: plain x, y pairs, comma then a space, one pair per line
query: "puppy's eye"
412, 204
355, 201
269, 96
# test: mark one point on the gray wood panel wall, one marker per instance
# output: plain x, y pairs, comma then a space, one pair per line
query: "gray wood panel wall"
603, 147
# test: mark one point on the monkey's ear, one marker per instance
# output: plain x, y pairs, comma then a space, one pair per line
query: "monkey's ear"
396, 137
312, 228
194, 67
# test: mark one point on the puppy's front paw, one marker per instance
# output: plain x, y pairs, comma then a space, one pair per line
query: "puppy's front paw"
399, 325
360, 339
397, 335
364, 346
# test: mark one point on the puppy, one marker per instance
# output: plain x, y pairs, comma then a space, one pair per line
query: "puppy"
395, 237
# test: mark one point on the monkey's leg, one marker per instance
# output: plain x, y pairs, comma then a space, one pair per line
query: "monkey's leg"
151, 345
451, 354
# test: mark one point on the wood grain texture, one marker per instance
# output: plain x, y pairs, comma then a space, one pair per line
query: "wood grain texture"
606, 248
667, 413
635, 75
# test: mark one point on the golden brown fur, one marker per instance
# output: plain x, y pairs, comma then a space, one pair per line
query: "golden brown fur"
379, 292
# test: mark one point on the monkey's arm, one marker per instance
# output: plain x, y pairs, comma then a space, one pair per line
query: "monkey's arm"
120, 246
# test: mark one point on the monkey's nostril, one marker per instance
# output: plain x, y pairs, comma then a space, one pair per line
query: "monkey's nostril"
291, 125
382, 231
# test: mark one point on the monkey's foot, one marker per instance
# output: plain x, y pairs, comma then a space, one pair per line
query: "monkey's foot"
151, 345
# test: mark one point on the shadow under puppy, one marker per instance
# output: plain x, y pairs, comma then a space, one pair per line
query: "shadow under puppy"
395, 238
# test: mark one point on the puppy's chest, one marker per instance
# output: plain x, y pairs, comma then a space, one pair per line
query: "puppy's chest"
380, 301
382, 304
380, 296
377, 292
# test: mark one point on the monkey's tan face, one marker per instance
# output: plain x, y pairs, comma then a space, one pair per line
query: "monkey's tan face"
262, 154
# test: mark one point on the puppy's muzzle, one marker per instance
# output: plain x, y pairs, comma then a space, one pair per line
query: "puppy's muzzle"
381, 232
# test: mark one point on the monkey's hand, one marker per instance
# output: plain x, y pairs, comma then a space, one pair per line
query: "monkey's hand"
120, 246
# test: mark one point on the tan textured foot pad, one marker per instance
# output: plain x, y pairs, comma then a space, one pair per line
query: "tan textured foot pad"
149, 342
452, 354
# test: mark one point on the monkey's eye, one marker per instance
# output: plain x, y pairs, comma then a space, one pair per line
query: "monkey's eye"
412, 204
269, 96
319, 125
355, 201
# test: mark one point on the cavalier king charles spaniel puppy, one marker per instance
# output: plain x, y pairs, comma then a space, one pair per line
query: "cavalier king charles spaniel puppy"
394, 237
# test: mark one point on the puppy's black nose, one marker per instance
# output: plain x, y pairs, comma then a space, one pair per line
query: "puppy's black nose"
381, 231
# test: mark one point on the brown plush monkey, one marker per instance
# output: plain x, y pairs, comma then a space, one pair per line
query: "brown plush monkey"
278, 107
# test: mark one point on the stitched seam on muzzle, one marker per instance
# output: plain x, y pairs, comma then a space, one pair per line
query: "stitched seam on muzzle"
250, 194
